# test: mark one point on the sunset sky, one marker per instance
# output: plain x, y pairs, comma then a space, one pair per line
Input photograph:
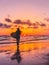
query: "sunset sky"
32, 16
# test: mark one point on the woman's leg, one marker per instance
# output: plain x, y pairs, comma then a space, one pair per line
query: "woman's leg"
18, 41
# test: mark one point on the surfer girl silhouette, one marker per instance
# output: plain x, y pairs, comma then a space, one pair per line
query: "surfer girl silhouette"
18, 33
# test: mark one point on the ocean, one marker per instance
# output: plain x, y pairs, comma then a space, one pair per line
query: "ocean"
4, 39
33, 50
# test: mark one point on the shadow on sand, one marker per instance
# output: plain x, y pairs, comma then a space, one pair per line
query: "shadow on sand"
16, 55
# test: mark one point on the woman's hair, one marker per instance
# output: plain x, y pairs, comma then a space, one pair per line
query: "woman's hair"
18, 29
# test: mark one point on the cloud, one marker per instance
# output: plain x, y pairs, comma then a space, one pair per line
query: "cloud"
21, 27
23, 22
15, 26
8, 20
6, 26
28, 22
37, 23
12, 28
46, 19
30, 25
42, 24
1, 24
17, 22
35, 27
34, 24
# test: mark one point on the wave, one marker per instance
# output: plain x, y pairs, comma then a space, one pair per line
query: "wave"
9, 39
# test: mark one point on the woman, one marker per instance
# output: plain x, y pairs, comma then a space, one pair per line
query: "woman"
18, 33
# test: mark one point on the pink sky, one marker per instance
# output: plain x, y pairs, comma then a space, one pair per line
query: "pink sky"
37, 11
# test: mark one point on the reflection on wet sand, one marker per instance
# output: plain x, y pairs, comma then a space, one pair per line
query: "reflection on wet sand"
46, 57
17, 55
25, 47
25, 54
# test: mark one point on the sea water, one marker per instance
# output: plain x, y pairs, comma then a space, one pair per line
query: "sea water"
39, 38
31, 54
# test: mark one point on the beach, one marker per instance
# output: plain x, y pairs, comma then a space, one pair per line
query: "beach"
24, 32
31, 53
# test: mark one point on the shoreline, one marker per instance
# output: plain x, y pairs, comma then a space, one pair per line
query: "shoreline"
30, 41
31, 53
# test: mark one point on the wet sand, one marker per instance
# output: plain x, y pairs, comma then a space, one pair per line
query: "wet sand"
28, 54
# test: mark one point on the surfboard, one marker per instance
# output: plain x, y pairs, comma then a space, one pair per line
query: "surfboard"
13, 34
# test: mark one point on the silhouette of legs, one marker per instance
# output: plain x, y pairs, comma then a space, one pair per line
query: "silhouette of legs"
17, 55
18, 40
